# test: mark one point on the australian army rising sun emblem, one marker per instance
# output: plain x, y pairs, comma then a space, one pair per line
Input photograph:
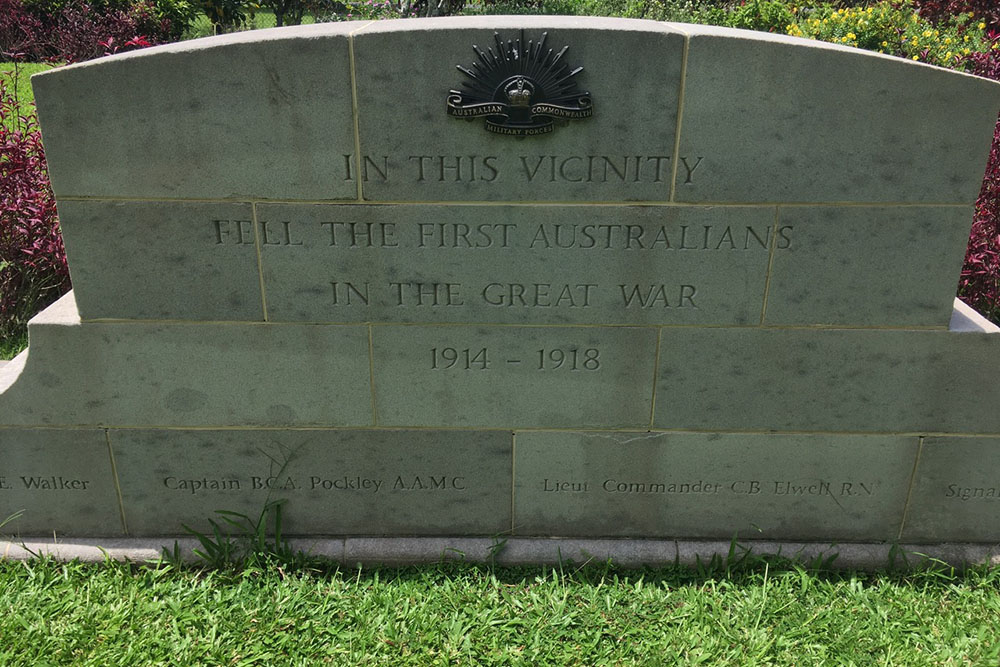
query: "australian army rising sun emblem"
521, 88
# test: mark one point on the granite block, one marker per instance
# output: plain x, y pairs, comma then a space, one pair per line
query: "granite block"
57, 481
781, 119
737, 485
415, 151
506, 377
154, 374
887, 381
263, 114
516, 264
162, 260
333, 482
956, 491
868, 266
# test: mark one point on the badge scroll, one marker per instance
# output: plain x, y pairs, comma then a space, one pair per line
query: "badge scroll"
521, 88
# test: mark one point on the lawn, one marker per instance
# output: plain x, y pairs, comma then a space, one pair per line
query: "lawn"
18, 77
56, 613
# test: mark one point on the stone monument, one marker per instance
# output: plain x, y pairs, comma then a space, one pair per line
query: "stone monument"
587, 285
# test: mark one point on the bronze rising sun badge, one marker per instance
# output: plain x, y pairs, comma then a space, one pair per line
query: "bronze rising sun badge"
520, 88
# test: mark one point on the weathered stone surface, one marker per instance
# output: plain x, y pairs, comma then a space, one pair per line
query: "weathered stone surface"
154, 374
57, 480
203, 254
956, 491
868, 266
781, 119
229, 117
506, 377
752, 486
827, 380
291, 262
632, 69
335, 482
516, 264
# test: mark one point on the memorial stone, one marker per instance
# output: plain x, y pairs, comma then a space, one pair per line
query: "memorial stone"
533, 277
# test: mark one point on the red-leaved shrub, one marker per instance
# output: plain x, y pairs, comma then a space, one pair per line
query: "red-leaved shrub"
33, 270
987, 11
20, 31
79, 30
80, 33
980, 282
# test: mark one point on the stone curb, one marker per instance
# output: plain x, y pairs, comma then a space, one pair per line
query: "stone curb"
627, 553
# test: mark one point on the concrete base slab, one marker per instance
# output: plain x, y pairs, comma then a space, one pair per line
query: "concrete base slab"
626, 553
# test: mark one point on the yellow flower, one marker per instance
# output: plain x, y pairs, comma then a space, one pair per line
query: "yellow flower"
947, 40
851, 35
916, 57
927, 33
981, 26
948, 55
884, 43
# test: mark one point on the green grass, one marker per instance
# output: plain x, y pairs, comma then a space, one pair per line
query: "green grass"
77, 614
10, 347
18, 77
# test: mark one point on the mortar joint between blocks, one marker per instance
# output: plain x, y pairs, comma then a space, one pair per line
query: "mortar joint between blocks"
656, 371
513, 476
770, 266
260, 261
680, 113
909, 490
355, 114
115, 479
371, 373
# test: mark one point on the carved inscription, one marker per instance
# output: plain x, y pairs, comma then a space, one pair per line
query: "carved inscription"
522, 168
196, 486
348, 483
624, 263
742, 487
964, 493
544, 359
43, 483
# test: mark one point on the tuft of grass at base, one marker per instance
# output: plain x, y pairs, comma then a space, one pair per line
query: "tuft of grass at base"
69, 613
